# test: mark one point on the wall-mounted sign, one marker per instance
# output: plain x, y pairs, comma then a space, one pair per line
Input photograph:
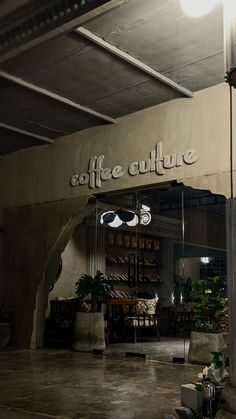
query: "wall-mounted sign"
157, 162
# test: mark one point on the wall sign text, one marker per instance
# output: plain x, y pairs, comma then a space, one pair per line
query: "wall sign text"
157, 162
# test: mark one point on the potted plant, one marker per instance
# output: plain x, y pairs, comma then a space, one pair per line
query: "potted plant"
4, 327
210, 313
89, 332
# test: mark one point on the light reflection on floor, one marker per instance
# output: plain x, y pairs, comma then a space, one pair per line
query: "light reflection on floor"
164, 350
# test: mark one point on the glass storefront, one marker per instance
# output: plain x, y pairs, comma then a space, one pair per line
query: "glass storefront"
153, 245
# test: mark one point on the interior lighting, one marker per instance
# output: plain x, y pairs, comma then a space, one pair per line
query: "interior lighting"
197, 8
208, 291
110, 218
133, 222
128, 217
172, 298
118, 217
205, 260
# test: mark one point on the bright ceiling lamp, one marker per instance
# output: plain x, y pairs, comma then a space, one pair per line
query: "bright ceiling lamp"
197, 8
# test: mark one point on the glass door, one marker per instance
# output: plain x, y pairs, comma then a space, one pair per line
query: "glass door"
139, 231
154, 245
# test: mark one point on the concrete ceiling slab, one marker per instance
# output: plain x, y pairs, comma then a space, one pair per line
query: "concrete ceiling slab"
72, 75
199, 75
158, 33
12, 141
114, 85
33, 112
189, 51
130, 100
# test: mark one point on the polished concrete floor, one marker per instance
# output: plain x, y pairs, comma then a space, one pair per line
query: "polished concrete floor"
65, 384
164, 350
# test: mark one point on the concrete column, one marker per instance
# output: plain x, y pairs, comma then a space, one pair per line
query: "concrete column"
229, 393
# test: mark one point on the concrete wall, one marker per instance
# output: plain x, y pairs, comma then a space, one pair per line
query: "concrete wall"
74, 264
43, 174
39, 202
34, 236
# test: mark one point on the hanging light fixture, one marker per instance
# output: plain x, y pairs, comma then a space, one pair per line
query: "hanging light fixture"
110, 218
128, 217
133, 222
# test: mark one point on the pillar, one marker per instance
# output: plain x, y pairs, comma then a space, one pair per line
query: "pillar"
229, 393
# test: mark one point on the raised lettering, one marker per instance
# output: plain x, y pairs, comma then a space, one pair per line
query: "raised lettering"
84, 179
169, 161
74, 180
155, 163
159, 158
190, 156
106, 173
144, 166
117, 172
153, 160
98, 170
133, 168
92, 163
179, 159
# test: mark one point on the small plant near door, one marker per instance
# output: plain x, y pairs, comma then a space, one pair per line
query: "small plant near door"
89, 332
211, 318
95, 288
210, 305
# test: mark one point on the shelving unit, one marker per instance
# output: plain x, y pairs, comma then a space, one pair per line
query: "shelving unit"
132, 260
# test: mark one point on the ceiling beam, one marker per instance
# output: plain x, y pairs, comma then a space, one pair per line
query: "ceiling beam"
133, 61
31, 26
26, 133
55, 97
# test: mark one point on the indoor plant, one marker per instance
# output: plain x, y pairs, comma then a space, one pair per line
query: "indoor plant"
89, 326
4, 327
210, 312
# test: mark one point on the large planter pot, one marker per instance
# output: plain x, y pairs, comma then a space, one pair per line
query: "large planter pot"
203, 344
89, 332
4, 334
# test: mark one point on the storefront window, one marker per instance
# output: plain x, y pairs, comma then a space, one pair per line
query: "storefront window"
153, 245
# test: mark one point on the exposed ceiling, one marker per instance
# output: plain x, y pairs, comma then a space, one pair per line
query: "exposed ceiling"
169, 199
126, 58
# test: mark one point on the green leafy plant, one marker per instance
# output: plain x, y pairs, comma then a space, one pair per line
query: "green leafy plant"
96, 288
218, 359
209, 304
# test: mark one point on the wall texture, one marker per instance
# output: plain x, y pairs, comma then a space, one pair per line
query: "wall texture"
30, 235
74, 264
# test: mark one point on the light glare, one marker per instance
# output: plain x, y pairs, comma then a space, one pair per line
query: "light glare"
197, 8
